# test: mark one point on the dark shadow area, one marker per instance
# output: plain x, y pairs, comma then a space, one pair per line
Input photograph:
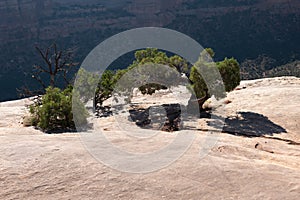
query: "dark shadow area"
170, 117
168, 120
250, 124
246, 124
57, 131
140, 116
67, 130
103, 111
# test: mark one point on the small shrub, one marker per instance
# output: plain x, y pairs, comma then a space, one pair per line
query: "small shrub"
230, 72
54, 112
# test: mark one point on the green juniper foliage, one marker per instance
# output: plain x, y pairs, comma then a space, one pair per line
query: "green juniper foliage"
54, 112
229, 70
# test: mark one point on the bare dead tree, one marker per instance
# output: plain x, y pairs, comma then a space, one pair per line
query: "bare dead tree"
57, 62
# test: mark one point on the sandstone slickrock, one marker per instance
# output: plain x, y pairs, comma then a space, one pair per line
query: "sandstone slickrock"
34, 165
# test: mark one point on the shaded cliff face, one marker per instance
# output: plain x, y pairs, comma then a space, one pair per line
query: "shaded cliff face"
239, 28
38, 19
48, 19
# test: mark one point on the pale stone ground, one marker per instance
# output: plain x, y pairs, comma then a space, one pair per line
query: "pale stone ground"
34, 165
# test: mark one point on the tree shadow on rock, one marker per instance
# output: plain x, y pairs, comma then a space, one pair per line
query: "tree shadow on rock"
166, 117
250, 124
